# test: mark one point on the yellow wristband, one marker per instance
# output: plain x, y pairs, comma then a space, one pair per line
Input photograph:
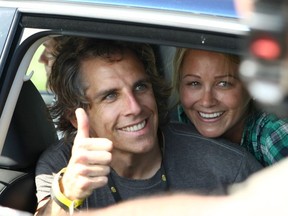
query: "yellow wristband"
59, 197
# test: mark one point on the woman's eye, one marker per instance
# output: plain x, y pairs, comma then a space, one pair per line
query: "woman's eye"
193, 83
224, 84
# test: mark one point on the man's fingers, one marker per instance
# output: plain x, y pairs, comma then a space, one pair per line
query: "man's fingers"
92, 157
82, 137
96, 171
96, 144
82, 123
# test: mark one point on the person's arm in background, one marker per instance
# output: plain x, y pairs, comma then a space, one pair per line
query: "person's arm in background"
13, 212
263, 193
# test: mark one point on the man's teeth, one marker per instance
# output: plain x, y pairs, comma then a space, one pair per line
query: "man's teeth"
210, 115
135, 127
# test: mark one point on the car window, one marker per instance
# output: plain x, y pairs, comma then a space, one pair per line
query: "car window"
39, 78
6, 14
25, 125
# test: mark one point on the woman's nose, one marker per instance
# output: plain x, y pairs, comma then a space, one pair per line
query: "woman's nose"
208, 99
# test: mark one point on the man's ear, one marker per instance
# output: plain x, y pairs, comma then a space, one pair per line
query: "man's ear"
73, 121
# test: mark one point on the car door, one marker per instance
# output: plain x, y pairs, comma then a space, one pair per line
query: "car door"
20, 119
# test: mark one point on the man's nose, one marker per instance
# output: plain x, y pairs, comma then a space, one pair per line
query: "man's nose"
132, 105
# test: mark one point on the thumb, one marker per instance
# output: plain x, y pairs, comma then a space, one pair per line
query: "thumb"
82, 123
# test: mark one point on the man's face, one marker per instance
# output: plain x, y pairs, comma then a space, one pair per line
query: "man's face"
122, 104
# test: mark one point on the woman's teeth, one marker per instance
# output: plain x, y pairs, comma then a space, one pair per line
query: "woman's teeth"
210, 115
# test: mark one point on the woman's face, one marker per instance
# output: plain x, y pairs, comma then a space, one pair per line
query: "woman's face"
212, 95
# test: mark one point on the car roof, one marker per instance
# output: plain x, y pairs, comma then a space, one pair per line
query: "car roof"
223, 8
207, 15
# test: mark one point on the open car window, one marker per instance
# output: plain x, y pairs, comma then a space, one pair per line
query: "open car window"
39, 77
25, 129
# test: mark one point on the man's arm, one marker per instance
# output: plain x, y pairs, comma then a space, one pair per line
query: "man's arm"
87, 170
49, 207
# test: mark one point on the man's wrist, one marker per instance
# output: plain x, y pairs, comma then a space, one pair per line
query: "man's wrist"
60, 198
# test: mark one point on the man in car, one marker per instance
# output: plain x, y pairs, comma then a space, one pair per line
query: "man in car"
117, 145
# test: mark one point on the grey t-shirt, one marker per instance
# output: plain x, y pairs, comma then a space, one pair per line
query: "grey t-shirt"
191, 162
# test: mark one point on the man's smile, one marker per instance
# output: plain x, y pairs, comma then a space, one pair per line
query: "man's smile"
135, 127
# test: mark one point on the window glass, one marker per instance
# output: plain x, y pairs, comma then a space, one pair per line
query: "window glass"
6, 14
39, 77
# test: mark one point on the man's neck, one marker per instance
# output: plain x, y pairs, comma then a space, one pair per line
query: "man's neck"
137, 166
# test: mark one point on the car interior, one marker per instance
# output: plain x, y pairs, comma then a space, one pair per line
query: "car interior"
23, 144
30, 129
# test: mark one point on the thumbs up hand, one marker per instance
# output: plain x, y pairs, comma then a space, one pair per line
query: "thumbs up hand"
89, 163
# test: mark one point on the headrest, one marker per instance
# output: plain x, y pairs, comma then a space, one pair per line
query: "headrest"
30, 131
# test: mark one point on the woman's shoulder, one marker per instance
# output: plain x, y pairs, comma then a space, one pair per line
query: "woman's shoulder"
265, 120
267, 134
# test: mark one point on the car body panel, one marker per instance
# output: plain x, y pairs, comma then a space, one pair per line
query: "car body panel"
197, 17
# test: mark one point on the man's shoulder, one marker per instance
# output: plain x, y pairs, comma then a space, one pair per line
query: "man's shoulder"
186, 144
56, 149
54, 158
188, 135
180, 128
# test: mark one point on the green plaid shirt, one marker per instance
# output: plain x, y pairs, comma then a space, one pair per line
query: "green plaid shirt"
265, 136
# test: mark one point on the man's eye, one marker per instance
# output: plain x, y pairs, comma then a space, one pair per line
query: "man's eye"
110, 96
141, 87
